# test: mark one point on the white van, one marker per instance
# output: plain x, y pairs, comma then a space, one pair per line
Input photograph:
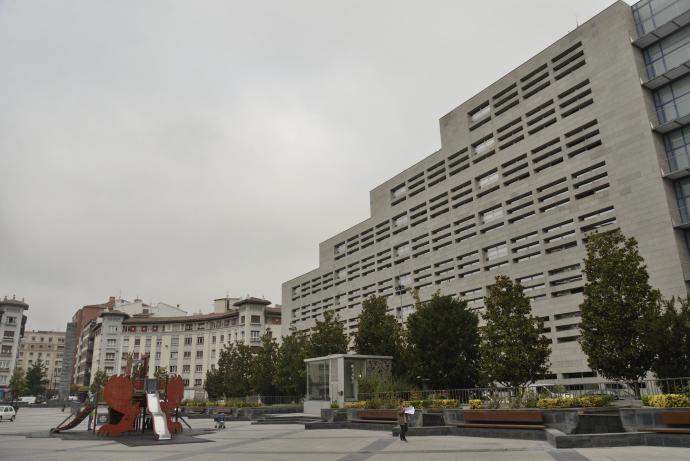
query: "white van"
28, 399
7, 413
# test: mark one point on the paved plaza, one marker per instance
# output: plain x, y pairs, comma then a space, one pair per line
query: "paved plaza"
243, 441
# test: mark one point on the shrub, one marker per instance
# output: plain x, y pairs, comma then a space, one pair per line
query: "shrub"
334, 404
434, 403
377, 403
475, 404
666, 400
359, 405
575, 402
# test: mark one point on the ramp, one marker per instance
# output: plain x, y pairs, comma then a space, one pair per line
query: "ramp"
160, 425
73, 421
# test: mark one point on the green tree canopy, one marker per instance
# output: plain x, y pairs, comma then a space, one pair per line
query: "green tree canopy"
443, 343
36, 378
513, 350
17, 384
672, 340
235, 368
98, 381
264, 366
328, 336
379, 333
214, 384
289, 374
619, 308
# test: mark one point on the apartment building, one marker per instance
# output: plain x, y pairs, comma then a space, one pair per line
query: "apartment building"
587, 136
12, 321
49, 348
185, 345
83, 327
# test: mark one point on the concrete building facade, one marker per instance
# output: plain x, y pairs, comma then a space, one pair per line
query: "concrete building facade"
12, 322
589, 135
49, 348
185, 345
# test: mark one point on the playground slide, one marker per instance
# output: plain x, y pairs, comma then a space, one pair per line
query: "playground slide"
160, 425
73, 421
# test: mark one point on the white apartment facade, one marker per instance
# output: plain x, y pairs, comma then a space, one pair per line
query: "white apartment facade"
47, 346
185, 345
12, 321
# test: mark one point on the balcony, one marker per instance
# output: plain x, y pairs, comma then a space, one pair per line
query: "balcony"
671, 19
673, 114
681, 217
678, 165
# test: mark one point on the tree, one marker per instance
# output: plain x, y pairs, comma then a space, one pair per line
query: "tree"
379, 333
443, 343
214, 384
672, 341
289, 374
235, 368
264, 365
328, 336
36, 378
618, 310
17, 384
513, 350
98, 381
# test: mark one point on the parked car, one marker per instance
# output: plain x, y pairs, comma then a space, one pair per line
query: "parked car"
30, 399
7, 413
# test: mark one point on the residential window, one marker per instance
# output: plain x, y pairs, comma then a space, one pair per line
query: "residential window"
173, 356
110, 356
197, 382
256, 319
158, 355
487, 180
111, 342
188, 326
137, 341
496, 252
188, 341
159, 342
148, 342
677, 151
199, 354
185, 382
255, 335
491, 215
484, 146
199, 368
200, 340
187, 355
185, 368
673, 100
175, 341
242, 320
173, 368
668, 53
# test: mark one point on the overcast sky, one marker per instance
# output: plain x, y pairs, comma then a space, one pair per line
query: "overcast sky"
177, 151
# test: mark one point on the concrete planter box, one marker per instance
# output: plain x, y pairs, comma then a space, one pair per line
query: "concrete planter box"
635, 418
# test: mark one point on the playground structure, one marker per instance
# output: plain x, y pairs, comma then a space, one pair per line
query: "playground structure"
135, 404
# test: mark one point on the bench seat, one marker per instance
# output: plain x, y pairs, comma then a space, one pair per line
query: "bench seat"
666, 430
375, 421
503, 426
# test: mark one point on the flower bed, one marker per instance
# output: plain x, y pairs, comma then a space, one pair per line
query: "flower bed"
666, 400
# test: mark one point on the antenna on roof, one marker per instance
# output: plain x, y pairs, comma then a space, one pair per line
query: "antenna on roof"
577, 22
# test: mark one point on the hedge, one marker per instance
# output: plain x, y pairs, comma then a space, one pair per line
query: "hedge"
666, 400
575, 402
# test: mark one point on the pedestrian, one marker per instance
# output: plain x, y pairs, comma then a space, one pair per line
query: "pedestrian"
402, 420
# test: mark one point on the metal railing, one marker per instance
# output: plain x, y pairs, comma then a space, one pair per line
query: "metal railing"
617, 389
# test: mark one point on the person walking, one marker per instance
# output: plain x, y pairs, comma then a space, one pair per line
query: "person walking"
402, 420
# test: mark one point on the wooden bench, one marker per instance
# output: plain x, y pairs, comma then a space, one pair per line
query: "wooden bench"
377, 416
677, 422
503, 419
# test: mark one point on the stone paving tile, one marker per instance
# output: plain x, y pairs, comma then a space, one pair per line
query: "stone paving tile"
286, 442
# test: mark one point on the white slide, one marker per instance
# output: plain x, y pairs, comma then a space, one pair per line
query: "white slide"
160, 426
